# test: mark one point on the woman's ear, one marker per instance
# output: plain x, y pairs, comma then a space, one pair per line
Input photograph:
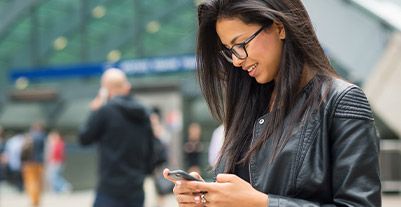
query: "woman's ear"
280, 30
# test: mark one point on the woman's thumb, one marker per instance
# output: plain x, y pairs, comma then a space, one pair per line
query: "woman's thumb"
196, 175
225, 178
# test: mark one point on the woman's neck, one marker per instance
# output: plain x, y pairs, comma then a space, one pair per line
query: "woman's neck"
307, 75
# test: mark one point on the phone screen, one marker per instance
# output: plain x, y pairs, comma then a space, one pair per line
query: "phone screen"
182, 175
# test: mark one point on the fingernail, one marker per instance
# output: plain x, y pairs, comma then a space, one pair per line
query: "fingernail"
178, 183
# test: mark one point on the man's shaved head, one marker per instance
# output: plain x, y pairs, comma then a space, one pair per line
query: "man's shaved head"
116, 82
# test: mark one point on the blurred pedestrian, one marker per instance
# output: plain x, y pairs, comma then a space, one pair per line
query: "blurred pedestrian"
32, 156
193, 147
296, 133
12, 158
55, 163
216, 142
2, 155
120, 126
163, 186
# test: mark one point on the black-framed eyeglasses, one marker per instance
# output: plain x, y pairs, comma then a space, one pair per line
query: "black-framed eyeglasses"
239, 49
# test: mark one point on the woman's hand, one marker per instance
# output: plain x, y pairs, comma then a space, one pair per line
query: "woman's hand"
185, 196
228, 191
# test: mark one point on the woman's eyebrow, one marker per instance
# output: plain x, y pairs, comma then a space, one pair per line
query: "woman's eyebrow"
235, 39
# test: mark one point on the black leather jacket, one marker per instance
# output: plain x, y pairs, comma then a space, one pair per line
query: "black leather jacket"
331, 160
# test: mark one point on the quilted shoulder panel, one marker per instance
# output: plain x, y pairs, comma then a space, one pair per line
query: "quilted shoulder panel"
354, 104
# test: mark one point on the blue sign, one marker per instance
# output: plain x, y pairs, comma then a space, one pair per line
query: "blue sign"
135, 67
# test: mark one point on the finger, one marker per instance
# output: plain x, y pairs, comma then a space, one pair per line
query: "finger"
195, 174
189, 199
165, 175
165, 172
190, 205
197, 186
180, 188
226, 178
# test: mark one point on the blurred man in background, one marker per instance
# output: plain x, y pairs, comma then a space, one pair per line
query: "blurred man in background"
12, 160
193, 147
121, 127
32, 157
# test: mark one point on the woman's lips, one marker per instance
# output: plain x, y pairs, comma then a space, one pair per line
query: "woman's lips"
252, 70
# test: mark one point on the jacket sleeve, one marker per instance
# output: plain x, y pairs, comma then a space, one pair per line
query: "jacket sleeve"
93, 128
355, 156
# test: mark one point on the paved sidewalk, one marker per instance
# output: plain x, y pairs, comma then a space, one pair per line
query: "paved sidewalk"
11, 198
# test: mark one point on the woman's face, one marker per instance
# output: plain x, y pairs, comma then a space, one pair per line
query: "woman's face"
264, 51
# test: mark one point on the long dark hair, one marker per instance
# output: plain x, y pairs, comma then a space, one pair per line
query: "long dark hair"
235, 98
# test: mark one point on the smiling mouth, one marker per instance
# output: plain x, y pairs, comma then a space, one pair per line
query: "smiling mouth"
250, 69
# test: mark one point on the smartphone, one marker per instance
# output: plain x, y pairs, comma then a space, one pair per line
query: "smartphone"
182, 175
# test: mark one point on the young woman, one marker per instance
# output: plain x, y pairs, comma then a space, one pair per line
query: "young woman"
296, 134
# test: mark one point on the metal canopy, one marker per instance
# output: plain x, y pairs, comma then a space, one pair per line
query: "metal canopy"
61, 32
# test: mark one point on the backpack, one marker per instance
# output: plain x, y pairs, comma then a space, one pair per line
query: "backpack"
27, 149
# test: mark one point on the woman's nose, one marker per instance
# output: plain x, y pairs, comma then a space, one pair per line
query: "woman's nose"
236, 61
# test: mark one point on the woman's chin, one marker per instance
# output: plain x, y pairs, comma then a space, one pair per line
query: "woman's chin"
262, 80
